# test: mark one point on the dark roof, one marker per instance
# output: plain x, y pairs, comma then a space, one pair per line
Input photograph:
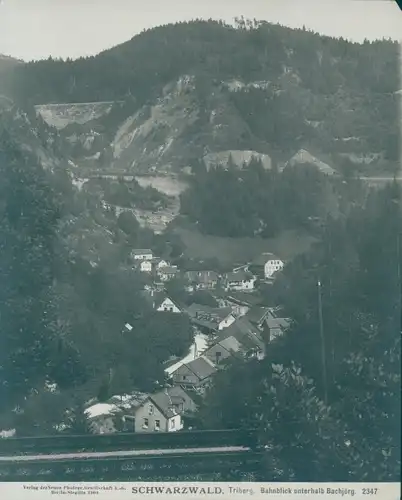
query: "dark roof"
142, 251
176, 392
243, 298
239, 276
231, 344
244, 332
163, 401
218, 313
207, 317
257, 314
201, 367
168, 270
202, 276
273, 322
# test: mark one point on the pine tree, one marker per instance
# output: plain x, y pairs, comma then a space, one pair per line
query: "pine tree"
78, 420
29, 213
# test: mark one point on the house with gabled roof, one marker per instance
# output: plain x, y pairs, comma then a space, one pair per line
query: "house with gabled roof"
276, 327
160, 412
167, 273
247, 335
224, 349
240, 302
257, 315
195, 374
210, 318
142, 254
159, 263
184, 400
146, 266
201, 280
241, 280
161, 302
266, 266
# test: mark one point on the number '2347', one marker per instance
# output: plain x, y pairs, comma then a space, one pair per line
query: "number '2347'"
369, 491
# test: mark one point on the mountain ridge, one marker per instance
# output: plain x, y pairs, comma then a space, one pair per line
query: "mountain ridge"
215, 88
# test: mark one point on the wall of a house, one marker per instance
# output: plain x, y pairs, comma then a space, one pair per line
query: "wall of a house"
146, 267
174, 424
211, 353
143, 412
184, 375
241, 286
272, 266
168, 305
145, 256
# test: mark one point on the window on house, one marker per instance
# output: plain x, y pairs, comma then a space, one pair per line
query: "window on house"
218, 356
151, 409
157, 425
184, 377
172, 424
145, 424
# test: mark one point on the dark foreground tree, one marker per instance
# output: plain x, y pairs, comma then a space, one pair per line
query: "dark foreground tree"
29, 213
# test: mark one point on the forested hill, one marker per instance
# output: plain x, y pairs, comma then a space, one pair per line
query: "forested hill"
254, 86
256, 52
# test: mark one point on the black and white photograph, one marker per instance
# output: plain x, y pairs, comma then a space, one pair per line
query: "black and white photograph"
201, 245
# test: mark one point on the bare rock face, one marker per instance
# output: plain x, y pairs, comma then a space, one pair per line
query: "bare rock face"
303, 157
61, 115
164, 137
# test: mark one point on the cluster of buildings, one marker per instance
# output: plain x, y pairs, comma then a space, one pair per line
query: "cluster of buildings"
243, 278
239, 326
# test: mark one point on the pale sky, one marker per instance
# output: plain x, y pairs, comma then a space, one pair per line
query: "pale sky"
34, 29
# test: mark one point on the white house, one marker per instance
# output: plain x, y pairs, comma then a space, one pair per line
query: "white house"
146, 266
272, 265
159, 413
240, 280
142, 254
166, 273
266, 265
162, 302
162, 263
167, 305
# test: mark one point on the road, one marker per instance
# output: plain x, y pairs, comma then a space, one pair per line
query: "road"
375, 181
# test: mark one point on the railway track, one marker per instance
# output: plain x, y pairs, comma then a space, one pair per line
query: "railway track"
118, 454
50, 445
172, 466
162, 456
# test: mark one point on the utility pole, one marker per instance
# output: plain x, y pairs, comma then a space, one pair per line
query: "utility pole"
323, 349
398, 260
398, 264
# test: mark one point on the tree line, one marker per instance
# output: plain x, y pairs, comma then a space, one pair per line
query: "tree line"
255, 201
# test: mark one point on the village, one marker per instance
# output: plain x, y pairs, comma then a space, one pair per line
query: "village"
238, 327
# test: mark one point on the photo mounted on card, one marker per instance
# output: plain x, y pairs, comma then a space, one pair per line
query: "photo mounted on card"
200, 249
